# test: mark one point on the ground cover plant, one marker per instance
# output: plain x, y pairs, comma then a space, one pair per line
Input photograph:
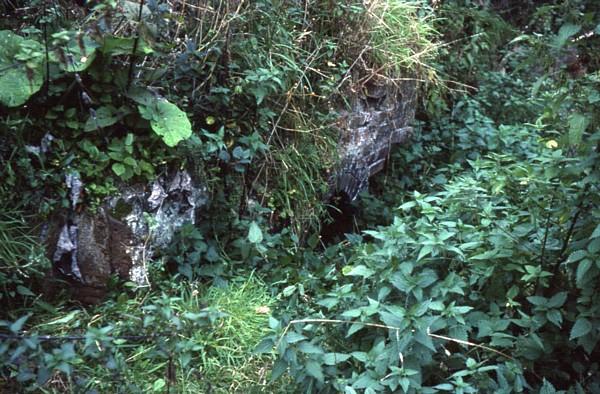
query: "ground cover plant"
474, 261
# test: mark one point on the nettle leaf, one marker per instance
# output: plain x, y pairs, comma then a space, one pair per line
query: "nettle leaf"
19, 79
538, 301
554, 316
557, 300
18, 324
265, 346
596, 233
335, 358
359, 270
293, 337
581, 327
577, 255
582, 270
279, 368
168, 121
309, 348
314, 369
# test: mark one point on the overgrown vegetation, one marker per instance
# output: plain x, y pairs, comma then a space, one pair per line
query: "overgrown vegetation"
474, 262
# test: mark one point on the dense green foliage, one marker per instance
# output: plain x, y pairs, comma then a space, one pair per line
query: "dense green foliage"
475, 259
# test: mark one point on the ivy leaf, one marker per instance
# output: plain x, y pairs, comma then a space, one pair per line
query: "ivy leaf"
255, 234
581, 327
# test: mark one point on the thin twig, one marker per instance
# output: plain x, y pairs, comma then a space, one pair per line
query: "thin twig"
376, 325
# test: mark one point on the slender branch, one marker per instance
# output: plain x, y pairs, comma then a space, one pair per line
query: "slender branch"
335, 321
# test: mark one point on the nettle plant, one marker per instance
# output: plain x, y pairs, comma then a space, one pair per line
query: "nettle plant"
485, 281
480, 286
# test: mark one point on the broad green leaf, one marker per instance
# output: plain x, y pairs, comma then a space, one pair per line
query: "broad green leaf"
19, 79
114, 46
168, 121
77, 55
255, 234
581, 327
